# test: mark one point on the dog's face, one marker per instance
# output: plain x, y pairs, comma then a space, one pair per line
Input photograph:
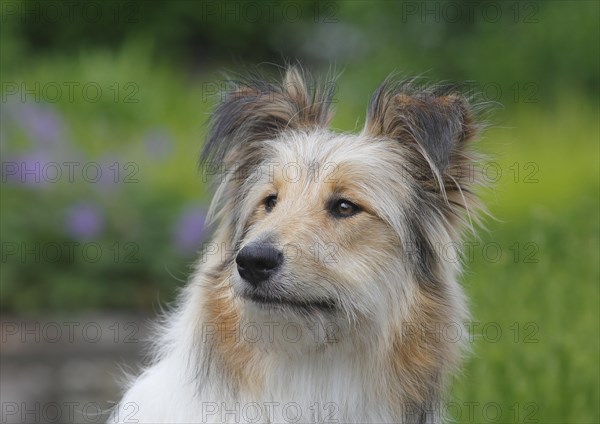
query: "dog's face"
337, 228
317, 237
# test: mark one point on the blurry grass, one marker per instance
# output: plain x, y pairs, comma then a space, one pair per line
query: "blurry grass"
547, 310
553, 301
544, 366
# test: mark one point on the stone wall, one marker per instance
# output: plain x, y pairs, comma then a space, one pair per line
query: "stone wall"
66, 369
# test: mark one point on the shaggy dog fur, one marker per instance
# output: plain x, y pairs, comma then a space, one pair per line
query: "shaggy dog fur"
323, 296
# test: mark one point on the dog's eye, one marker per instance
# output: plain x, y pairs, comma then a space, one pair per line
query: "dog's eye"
270, 202
343, 208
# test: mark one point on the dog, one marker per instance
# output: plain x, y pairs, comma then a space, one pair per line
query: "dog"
324, 296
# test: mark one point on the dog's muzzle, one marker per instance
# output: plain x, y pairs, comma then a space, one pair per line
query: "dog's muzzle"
257, 262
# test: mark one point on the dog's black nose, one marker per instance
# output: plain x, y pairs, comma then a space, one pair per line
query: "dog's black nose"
258, 261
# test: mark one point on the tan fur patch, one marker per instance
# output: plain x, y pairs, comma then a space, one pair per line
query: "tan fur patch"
235, 355
422, 355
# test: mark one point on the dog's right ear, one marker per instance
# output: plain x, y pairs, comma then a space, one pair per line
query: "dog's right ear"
254, 109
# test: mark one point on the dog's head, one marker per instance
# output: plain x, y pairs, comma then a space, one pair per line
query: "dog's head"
332, 227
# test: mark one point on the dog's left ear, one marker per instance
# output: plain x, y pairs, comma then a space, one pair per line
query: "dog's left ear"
436, 123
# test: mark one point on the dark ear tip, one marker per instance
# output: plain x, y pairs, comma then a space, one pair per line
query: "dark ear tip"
464, 110
458, 109
258, 107
453, 106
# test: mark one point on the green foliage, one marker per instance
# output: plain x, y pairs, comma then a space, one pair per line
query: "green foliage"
145, 149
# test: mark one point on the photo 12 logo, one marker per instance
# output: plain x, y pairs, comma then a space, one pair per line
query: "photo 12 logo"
58, 412
518, 12
69, 252
70, 91
269, 11
67, 11
16, 332
52, 172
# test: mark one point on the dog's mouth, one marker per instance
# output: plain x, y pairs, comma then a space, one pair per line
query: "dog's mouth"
326, 305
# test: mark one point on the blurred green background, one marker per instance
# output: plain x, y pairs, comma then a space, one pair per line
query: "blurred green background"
103, 115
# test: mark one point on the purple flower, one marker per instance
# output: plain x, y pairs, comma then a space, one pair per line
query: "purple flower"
158, 143
84, 221
34, 170
113, 171
42, 123
189, 229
